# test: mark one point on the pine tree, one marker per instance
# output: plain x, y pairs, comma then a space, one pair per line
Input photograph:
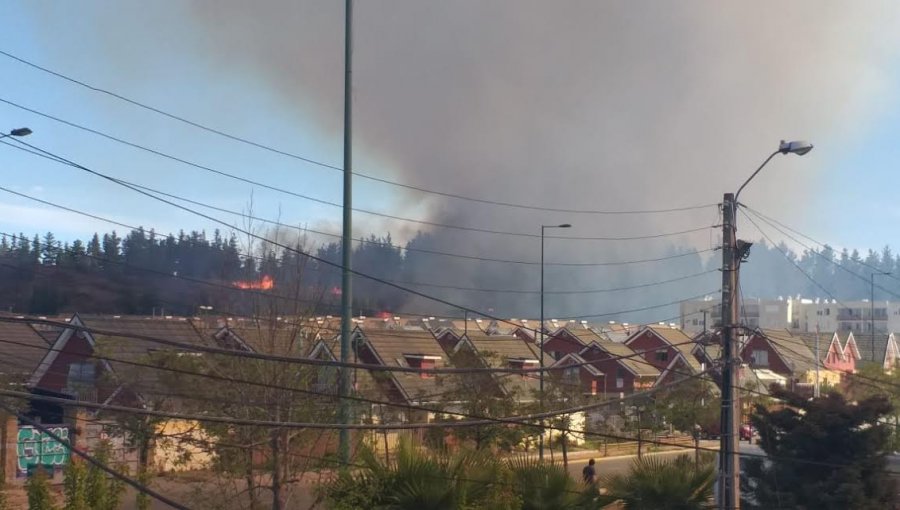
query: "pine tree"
94, 252
35, 257
49, 250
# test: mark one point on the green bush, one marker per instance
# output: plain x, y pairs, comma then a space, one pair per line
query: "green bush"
75, 485
38, 489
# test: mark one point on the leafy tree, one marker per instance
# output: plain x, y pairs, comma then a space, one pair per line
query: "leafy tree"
823, 453
692, 402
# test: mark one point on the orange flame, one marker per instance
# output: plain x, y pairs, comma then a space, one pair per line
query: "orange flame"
266, 283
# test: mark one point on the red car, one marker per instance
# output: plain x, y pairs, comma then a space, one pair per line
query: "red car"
747, 432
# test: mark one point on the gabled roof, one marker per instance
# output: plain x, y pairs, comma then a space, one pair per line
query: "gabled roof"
791, 349
892, 353
706, 344
390, 348
498, 350
576, 359
866, 353
583, 335
273, 337
633, 362
681, 367
121, 354
826, 340
329, 349
676, 338
21, 350
851, 348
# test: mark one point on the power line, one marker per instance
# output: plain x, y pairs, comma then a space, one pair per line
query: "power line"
793, 262
274, 243
296, 360
296, 299
329, 234
230, 313
515, 420
192, 396
332, 167
438, 425
819, 254
335, 204
561, 292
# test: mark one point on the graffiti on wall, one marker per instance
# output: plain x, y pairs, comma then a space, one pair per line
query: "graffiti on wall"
35, 448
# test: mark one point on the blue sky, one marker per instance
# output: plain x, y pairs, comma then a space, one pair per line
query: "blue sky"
176, 84
842, 193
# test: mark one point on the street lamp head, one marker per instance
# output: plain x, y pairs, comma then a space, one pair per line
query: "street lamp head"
798, 147
22, 131
564, 225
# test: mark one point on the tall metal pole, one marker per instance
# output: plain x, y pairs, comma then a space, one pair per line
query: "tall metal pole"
346, 247
541, 327
729, 471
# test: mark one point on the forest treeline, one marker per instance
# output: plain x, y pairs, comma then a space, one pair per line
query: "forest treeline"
145, 273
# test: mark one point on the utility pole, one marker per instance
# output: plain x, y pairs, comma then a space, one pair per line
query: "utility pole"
346, 238
733, 251
729, 470
816, 393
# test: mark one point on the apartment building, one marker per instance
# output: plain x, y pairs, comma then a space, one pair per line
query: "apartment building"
699, 315
798, 314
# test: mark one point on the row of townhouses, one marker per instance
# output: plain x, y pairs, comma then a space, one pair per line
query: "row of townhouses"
94, 359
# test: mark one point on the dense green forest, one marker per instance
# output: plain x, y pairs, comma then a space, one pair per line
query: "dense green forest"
147, 273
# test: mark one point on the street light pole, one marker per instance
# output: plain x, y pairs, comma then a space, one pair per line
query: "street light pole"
733, 251
872, 308
18, 132
541, 328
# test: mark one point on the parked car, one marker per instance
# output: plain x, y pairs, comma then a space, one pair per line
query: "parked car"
747, 432
710, 431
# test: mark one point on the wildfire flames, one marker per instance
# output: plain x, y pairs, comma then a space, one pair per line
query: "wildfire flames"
265, 283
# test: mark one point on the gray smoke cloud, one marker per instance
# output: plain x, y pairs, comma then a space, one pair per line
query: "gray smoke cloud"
576, 104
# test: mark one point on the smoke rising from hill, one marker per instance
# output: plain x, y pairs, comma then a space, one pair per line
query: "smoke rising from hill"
582, 104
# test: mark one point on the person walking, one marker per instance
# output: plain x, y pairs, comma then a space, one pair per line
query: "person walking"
589, 474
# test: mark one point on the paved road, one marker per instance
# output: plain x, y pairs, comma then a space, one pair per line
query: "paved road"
618, 465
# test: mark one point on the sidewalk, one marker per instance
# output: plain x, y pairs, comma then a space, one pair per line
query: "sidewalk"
576, 455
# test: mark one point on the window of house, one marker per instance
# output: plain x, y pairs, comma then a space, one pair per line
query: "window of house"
426, 365
570, 375
761, 357
81, 375
662, 355
620, 377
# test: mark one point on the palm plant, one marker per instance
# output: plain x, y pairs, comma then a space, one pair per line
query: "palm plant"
654, 483
543, 486
416, 480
